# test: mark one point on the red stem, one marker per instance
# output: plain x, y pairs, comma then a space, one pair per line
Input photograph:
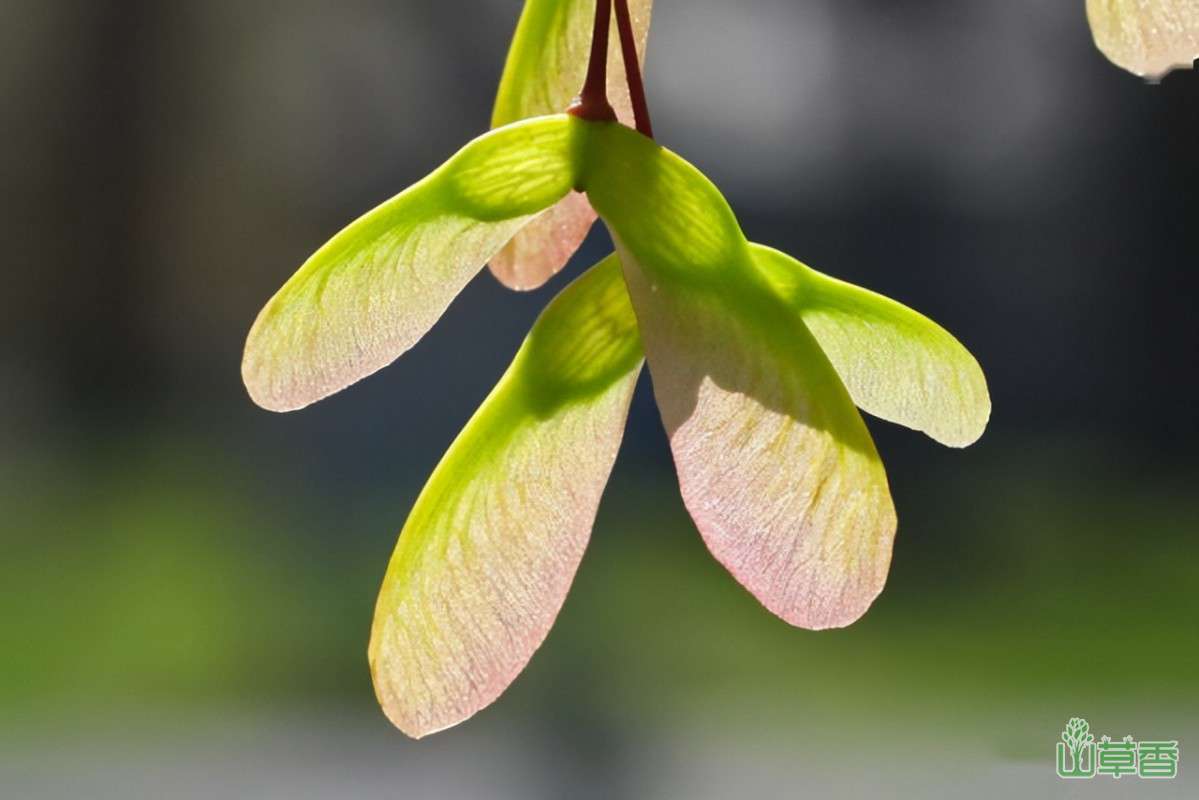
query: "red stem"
628, 48
592, 103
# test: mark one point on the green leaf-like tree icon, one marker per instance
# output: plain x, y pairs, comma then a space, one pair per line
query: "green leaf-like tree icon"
1077, 736
1078, 740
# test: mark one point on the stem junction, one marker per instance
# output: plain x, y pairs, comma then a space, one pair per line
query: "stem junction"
592, 102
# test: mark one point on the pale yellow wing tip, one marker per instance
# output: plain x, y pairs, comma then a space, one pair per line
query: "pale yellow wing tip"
276, 405
958, 430
971, 428
261, 395
261, 388
271, 392
1149, 40
1151, 71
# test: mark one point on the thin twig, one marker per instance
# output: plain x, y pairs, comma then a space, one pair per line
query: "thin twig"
632, 68
592, 102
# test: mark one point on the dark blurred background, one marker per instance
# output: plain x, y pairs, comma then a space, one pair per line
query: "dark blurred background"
187, 581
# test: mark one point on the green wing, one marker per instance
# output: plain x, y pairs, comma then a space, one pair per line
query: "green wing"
485, 560
369, 294
897, 364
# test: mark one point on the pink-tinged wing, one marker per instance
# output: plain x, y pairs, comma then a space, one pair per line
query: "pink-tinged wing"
485, 560
774, 461
545, 70
775, 465
541, 249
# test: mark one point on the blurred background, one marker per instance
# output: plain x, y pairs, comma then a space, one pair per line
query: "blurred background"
187, 581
